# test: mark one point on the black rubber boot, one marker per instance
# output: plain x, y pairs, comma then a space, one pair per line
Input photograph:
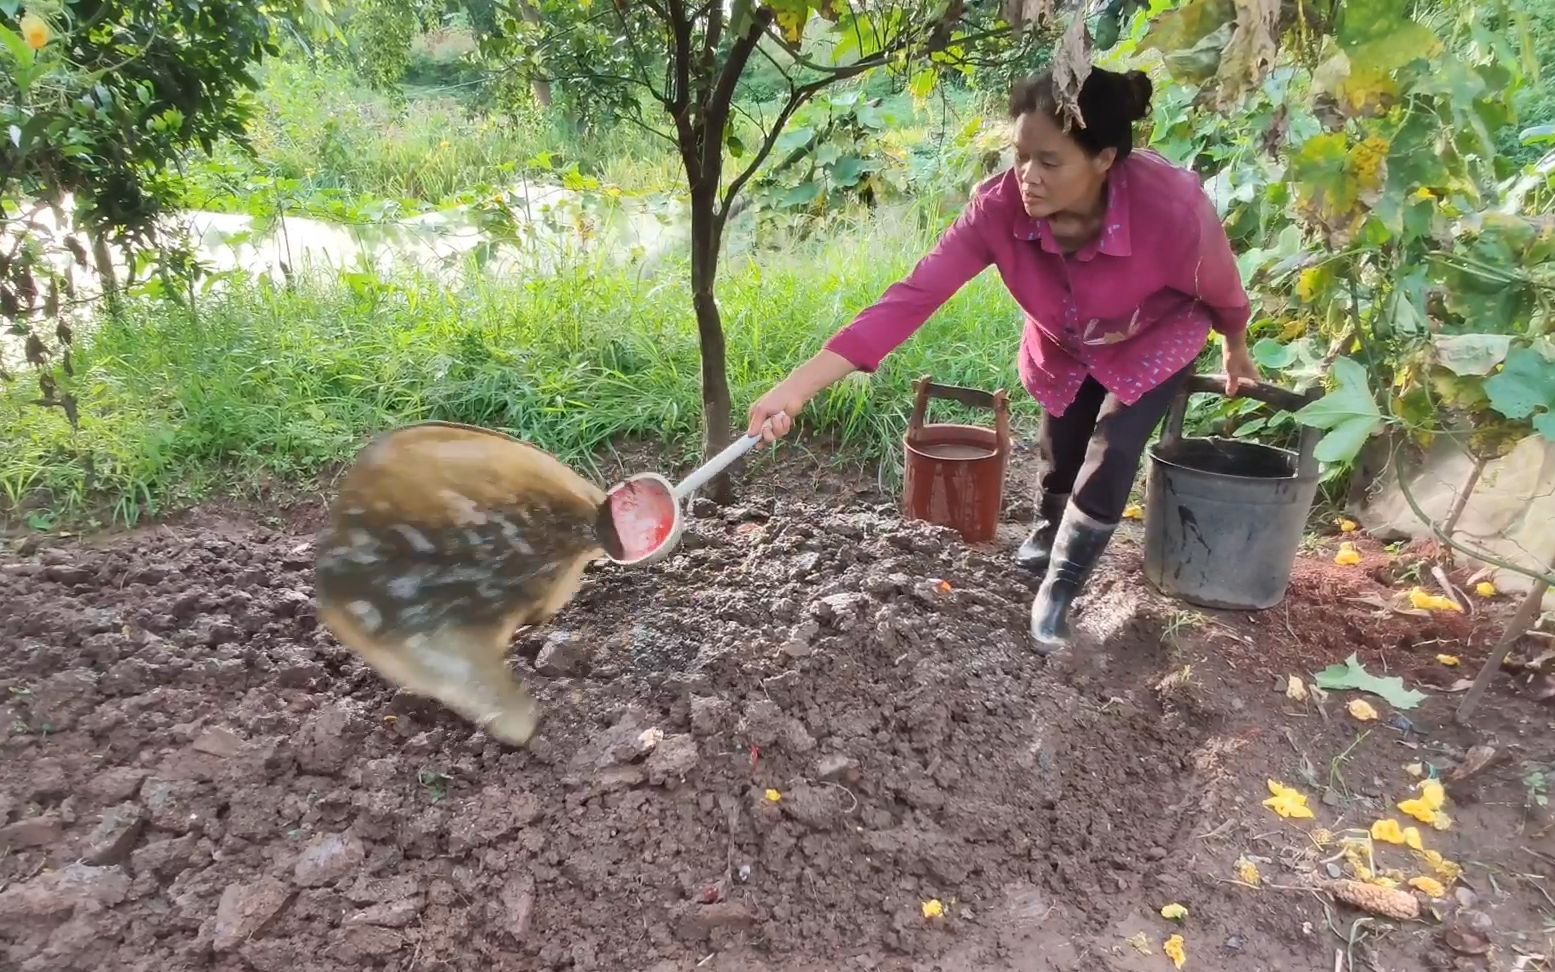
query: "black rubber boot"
1076, 549
1035, 553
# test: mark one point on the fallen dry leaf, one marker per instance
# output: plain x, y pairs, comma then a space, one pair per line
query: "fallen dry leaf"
1451, 661
1141, 944
1361, 711
1416, 770
1174, 912
1465, 940
1296, 689
1287, 802
1176, 950
1475, 762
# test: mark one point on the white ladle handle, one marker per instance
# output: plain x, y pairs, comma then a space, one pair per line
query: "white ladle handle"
701, 476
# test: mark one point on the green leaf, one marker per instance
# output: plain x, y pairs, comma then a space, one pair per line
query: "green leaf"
1471, 354
847, 172
1352, 675
17, 47
1348, 413
1187, 25
922, 84
1525, 388
801, 195
1269, 353
793, 139
1538, 133
1364, 20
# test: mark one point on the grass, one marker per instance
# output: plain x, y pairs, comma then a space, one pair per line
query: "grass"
262, 384
318, 133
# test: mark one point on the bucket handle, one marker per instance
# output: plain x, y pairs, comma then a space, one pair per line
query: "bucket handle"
1272, 395
998, 402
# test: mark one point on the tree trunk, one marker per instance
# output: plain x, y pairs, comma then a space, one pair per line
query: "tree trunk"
706, 240
539, 86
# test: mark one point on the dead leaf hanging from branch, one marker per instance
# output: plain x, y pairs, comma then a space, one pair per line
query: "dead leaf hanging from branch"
1250, 53
1071, 66
1019, 13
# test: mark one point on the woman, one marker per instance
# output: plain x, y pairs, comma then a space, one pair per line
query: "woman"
1122, 268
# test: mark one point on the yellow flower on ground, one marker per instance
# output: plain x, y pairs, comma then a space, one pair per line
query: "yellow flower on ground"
35, 31
1423, 601
1133, 512
1348, 526
1361, 710
1174, 912
1451, 661
1176, 951
1247, 871
1485, 589
1388, 831
1347, 556
1427, 807
933, 908
1430, 886
1288, 802
773, 796
1445, 870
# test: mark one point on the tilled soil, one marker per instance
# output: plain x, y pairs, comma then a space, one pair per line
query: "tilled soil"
767, 752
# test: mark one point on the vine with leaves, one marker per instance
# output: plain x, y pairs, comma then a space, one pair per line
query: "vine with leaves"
1390, 248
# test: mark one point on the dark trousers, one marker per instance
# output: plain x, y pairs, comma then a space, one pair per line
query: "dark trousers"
1092, 451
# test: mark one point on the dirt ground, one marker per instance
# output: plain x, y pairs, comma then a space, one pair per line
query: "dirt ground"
769, 752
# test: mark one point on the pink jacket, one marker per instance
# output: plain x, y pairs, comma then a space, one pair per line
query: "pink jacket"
1131, 309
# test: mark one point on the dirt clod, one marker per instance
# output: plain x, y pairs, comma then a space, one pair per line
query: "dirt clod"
245, 909
327, 859
111, 841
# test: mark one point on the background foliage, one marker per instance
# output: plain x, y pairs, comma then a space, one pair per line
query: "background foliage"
1377, 164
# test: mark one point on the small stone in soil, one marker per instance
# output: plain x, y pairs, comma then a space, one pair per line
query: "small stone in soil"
39, 831
217, 741
115, 835
327, 859
836, 768
245, 909
562, 654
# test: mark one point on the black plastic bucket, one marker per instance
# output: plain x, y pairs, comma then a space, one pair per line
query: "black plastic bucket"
1224, 518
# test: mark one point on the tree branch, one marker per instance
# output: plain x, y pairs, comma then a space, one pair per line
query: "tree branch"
723, 96
1402, 475
638, 61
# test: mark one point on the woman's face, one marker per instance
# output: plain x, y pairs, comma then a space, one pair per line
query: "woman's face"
1056, 174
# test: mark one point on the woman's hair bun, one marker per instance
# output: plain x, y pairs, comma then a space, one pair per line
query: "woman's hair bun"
1141, 90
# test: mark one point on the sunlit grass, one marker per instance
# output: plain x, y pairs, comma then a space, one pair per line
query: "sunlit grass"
264, 385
